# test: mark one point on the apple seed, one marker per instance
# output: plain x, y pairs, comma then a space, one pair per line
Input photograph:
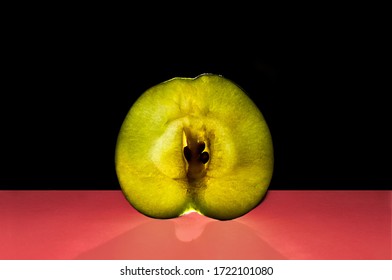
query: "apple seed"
200, 155
204, 157
187, 153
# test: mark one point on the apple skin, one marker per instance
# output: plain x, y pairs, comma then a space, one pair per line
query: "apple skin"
153, 171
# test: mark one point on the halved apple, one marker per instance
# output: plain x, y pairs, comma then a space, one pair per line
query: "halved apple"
194, 144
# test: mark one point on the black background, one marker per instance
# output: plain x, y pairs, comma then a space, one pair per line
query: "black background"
67, 90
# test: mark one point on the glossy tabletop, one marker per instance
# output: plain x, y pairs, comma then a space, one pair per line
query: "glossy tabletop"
298, 225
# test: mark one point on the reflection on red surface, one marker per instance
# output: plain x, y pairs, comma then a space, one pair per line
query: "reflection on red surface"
286, 225
190, 226
171, 239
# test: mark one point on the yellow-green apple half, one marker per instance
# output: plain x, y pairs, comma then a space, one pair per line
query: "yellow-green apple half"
194, 144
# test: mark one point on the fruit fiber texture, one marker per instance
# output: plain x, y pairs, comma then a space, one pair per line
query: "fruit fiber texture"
194, 144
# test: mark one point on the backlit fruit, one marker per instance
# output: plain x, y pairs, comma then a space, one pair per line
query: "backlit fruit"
194, 144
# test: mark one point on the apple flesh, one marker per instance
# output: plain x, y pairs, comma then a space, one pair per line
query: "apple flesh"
194, 144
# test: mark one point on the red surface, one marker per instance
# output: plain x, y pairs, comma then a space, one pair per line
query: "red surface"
286, 225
